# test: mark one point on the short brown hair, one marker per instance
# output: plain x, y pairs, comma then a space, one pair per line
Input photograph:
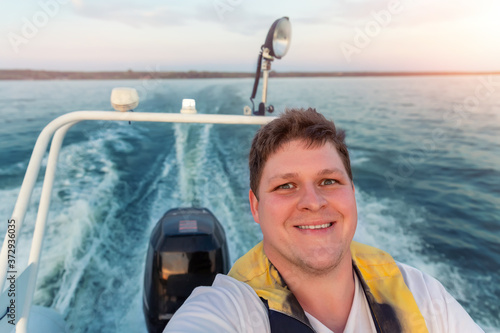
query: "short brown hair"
307, 125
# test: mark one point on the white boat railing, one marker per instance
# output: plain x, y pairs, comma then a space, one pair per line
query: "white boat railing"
57, 130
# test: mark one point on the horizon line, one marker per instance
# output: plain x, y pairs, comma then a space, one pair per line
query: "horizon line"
37, 74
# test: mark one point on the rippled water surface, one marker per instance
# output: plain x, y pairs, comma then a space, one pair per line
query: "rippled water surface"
426, 162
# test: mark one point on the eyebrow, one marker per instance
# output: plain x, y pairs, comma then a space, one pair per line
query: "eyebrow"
326, 172
285, 176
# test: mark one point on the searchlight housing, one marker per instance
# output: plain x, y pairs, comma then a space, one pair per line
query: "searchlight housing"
276, 46
278, 38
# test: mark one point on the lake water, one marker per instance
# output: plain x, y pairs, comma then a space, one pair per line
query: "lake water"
426, 161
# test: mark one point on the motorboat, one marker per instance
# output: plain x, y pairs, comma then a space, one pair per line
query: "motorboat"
187, 247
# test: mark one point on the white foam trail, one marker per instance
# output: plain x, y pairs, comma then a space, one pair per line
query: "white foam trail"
82, 191
203, 182
181, 135
73, 272
203, 145
188, 159
232, 210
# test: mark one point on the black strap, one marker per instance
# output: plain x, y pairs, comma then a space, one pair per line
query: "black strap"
384, 316
282, 323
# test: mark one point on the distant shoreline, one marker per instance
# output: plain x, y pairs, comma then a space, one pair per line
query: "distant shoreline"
21, 74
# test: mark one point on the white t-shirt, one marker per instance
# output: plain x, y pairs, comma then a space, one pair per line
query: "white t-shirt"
360, 318
233, 306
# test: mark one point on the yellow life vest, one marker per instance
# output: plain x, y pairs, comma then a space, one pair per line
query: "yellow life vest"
391, 303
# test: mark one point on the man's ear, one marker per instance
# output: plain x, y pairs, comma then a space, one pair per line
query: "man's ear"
254, 205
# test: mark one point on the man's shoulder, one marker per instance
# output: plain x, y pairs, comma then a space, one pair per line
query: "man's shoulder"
411, 273
227, 306
226, 289
421, 283
226, 282
441, 310
442, 313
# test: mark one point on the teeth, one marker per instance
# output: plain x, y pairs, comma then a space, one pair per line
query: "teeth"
321, 226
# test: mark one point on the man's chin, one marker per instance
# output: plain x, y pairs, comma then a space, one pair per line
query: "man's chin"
322, 260
320, 267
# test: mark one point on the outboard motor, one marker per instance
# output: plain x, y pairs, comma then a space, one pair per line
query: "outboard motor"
187, 249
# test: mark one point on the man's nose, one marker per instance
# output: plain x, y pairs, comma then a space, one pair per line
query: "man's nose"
311, 198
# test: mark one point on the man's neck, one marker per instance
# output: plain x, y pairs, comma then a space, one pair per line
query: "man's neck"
327, 297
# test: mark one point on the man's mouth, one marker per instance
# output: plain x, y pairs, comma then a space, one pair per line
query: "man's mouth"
318, 226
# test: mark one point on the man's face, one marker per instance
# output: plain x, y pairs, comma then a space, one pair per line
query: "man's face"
306, 208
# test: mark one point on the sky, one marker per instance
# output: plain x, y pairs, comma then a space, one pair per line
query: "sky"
226, 35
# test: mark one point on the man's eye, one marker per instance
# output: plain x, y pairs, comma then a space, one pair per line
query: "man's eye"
328, 182
286, 186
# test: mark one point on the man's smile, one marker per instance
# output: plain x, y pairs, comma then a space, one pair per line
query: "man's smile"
317, 226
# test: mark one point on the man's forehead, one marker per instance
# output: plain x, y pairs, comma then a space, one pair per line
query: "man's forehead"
303, 144
286, 169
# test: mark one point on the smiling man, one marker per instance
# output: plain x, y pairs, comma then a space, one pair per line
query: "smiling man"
307, 275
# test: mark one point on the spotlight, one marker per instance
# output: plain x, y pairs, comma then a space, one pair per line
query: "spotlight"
276, 46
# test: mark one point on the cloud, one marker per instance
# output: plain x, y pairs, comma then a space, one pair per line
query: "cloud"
430, 12
248, 17
413, 13
132, 13
238, 19
233, 16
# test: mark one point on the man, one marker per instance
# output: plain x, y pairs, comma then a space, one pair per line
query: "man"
307, 275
